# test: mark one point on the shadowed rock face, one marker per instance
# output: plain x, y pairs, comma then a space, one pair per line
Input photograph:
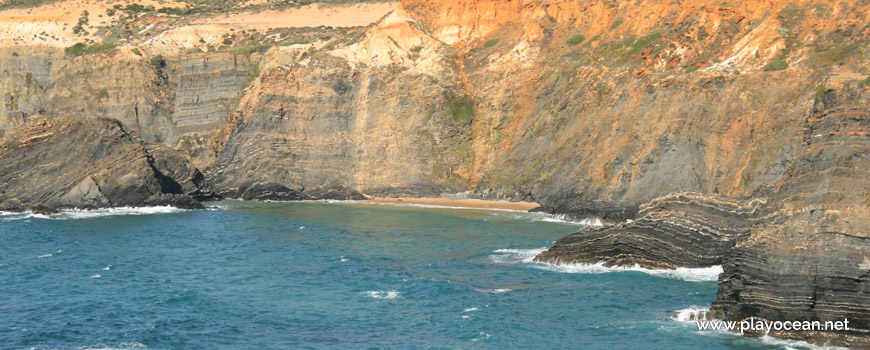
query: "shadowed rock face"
808, 257
800, 254
92, 163
590, 108
684, 230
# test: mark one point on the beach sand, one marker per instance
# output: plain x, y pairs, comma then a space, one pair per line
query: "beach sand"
460, 203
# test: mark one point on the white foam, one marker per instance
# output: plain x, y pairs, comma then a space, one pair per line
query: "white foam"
527, 256
482, 336
494, 290
556, 218
3, 265
76, 214
789, 344
343, 260
470, 309
465, 317
7, 216
121, 346
380, 294
692, 313
107, 268
95, 276
49, 254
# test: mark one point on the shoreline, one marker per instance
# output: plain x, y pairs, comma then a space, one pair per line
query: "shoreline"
457, 203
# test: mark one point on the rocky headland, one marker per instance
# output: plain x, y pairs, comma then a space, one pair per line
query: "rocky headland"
732, 134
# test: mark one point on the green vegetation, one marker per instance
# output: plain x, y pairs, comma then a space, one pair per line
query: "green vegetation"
691, 69
12, 144
461, 107
490, 43
835, 55
616, 23
576, 39
158, 61
103, 93
137, 52
621, 51
776, 65
80, 49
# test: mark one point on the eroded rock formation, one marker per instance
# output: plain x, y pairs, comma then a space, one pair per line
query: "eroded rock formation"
682, 230
92, 163
590, 108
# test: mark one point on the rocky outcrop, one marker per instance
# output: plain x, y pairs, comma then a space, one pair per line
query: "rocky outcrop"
589, 108
682, 230
807, 257
92, 163
800, 254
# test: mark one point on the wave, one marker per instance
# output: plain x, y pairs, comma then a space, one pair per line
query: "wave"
527, 256
471, 309
556, 218
380, 294
121, 346
795, 344
95, 276
493, 290
49, 254
692, 313
78, 214
7, 216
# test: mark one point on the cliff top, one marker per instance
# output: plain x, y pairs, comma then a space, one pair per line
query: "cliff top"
128, 23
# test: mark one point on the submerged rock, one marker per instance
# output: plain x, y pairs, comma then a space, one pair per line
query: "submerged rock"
43, 209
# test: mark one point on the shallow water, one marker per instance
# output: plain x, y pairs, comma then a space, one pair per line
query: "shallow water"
326, 275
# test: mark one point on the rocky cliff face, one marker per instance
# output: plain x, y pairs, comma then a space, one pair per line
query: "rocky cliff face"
682, 230
591, 108
92, 163
813, 235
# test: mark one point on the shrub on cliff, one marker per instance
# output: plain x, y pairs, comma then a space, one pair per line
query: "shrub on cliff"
775, 65
81, 49
576, 39
158, 61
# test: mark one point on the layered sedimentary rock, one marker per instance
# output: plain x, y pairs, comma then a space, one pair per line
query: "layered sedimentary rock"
590, 108
92, 163
808, 257
682, 230
176, 101
800, 254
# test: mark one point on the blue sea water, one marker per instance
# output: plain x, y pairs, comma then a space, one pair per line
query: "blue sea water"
327, 276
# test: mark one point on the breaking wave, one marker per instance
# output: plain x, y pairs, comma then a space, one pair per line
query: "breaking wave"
381, 294
527, 256
78, 214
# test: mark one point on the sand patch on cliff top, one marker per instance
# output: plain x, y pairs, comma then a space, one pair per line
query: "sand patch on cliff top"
307, 16
52, 24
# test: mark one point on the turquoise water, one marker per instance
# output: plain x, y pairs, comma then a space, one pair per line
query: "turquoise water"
325, 276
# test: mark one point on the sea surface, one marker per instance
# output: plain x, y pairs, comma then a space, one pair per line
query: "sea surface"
252, 275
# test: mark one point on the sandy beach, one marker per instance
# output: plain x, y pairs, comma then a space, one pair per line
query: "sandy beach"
460, 203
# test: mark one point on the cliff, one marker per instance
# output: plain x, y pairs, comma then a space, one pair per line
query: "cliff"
92, 163
733, 133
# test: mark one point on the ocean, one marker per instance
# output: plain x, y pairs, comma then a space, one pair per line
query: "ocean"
315, 275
